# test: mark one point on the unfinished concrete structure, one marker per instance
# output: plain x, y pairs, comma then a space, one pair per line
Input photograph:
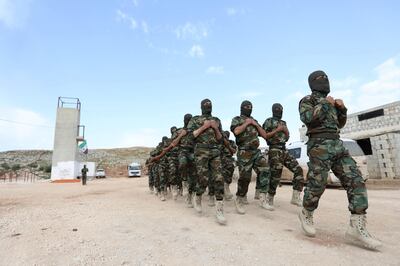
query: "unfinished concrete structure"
377, 131
65, 161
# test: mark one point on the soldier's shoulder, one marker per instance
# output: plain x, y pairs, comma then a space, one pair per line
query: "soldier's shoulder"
305, 99
237, 118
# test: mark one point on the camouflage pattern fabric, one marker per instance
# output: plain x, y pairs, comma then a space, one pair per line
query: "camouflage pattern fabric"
249, 157
207, 156
279, 138
327, 152
173, 163
279, 158
228, 163
187, 168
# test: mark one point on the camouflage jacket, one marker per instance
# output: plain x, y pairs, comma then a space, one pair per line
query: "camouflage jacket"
174, 151
279, 138
320, 116
248, 139
208, 136
187, 141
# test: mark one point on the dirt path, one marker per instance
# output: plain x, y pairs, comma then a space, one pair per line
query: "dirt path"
117, 222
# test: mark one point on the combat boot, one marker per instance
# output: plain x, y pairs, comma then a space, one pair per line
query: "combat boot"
219, 212
175, 192
257, 194
189, 200
245, 201
264, 202
296, 198
307, 223
163, 195
239, 205
185, 188
270, 199
357, 232
151, 189
211, 200
197, 203
227, 192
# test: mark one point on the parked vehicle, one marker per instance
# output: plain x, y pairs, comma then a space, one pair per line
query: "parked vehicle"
100, 173
299, 151
134, 170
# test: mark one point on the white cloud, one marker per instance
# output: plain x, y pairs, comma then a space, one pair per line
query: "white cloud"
191, 31
217, 70
24, 129
231, 11
145, 137
123, 17
196, 51
14, 13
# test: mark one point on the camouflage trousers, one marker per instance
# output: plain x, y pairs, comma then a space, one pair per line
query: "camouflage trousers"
228, 167
326, 154
151, 176
208, 165
163, 174
156, 176
248, 160
277, 159
187, 168
173, 164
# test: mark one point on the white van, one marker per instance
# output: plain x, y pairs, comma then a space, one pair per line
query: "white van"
299, 150
134, 170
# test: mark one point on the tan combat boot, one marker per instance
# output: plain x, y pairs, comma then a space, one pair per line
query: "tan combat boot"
264, 203
197, 203
257, 194
270, 199
175, 192
227, 192
358, 234
189, 200
163, 195
296, 198
151, 189
245, 201
307, 223
239, 205
219, 212
211, 200
185, 188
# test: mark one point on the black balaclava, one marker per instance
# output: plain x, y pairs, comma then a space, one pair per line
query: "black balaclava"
206, 107
319, 81
173, 129
244, 111
186, 119
277, 110
164, 139
227, 134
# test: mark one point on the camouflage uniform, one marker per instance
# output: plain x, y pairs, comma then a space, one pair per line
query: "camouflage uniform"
228, 162
249, 157
187, 167
173, 163
278, 157
326, 151
155, 167
207, 156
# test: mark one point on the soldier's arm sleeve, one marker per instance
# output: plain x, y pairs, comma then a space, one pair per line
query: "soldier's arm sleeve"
235, 123
267, 126
191, 127
310, 113
342, 116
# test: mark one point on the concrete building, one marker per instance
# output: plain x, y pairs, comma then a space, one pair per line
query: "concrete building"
377, 131
65, 160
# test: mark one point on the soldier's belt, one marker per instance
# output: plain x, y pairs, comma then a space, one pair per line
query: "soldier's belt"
247, 148
187, 148
324, 135
207, 146
278, 146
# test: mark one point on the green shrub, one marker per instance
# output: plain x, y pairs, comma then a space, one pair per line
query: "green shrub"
15, 167
5, 166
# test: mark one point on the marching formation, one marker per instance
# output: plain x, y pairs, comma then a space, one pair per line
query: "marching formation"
199, 157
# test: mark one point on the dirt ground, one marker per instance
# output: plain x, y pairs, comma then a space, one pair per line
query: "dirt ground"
117, 222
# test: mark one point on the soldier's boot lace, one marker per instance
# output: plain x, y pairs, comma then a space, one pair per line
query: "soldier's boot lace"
307, 223
197, 203
257, 194
357, 232
227, 192
264, 203
239, 205
219, 212
296, 198
211, 200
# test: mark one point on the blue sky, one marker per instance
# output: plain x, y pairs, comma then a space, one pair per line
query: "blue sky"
139, 65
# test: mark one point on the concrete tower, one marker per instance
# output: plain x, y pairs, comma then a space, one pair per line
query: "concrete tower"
65, 161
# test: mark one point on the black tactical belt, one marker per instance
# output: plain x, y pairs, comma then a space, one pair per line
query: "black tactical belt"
278, 146
247, 148
207, 146
324, 135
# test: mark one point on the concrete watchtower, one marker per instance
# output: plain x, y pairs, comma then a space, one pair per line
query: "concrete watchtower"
65, 164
